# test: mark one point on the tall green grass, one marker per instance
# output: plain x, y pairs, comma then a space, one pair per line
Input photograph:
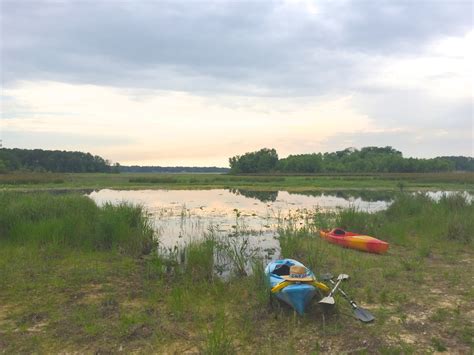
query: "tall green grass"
219, 341
74, 221
25, 178
199, 262
416, 219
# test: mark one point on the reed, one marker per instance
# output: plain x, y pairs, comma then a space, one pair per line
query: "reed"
259, 283
236, 253
199, 260
73, 221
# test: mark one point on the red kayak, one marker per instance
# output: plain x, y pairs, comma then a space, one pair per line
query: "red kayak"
354, 241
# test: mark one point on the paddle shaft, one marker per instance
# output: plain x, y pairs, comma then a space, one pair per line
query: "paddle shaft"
346, 296
333, 291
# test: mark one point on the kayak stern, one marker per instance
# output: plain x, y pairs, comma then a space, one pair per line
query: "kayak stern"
297, 296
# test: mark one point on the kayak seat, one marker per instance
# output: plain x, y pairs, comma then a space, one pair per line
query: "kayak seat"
338, 231
282, 269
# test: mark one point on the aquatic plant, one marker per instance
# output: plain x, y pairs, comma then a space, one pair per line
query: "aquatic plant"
236, 253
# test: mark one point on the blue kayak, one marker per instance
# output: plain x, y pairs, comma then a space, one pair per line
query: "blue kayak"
296, 294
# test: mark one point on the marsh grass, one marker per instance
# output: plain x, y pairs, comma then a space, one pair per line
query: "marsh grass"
154, 180
236, 254
204, 179
32, 178
199, 261
371, 183
449, 219
259, 282
72, 221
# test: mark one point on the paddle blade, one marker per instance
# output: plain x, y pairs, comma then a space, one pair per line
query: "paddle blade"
327, 300
363, 315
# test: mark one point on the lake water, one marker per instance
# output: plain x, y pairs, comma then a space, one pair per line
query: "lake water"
238, 216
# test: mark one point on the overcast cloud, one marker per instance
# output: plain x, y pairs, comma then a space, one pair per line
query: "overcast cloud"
399, 66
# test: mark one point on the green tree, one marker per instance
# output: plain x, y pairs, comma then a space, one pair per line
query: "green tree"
262, 161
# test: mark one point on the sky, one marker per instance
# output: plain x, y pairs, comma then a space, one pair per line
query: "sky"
196, 82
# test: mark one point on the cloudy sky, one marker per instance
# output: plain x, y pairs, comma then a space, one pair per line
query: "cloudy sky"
194, 82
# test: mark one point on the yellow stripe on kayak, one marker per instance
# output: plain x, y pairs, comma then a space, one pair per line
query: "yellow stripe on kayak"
321, 286
283, 284
280, 286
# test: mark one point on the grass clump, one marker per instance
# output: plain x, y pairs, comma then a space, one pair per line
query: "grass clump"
199, 260
218, 339
438, 344
73, 221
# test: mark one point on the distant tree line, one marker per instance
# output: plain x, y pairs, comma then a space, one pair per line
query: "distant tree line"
58, 161
51, 161
171, 169
461, 163
350, 160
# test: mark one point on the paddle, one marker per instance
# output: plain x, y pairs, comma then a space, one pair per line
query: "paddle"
329, 299
360, 313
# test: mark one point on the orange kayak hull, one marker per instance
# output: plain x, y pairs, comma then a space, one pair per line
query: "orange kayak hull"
355, 241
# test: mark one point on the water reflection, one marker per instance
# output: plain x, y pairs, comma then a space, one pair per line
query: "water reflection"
363, 195
263, 196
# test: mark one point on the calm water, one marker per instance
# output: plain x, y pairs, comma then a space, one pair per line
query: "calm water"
243, 219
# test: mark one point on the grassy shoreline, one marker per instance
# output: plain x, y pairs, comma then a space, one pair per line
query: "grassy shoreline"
91, 290
296, 183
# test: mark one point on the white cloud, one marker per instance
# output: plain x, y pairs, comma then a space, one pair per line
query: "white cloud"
177, 125
444, 70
